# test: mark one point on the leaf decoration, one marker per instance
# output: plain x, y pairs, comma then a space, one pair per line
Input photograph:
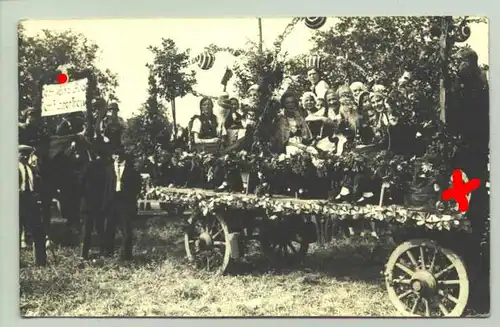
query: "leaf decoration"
208, 202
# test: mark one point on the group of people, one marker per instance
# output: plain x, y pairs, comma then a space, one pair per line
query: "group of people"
339, 120
108, 184
324, 119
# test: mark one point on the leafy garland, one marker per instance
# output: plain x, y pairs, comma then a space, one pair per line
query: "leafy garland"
209, 202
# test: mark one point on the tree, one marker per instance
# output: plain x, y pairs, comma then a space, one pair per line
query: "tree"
169, 72
46, 52
149, 127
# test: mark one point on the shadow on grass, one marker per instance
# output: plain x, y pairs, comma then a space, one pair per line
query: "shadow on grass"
159, 238
343, 260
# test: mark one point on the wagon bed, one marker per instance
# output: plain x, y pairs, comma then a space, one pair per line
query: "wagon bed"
422, 277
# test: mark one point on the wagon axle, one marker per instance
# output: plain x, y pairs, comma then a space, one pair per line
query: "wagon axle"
424, 283
205, 240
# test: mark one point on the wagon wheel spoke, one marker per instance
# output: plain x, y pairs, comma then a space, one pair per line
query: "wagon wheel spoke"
207, 243
445, 270
449, 282
412, 258
218, 233
405, 294
443, 309
414, 307
284, 250
433, 260
294, 250
448, 296
422, 257
426, 304
405, 268
444, 293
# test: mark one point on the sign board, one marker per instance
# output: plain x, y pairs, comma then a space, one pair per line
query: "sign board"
64, 98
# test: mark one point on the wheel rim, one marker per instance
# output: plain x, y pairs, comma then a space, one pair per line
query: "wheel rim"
423, 279
207, 243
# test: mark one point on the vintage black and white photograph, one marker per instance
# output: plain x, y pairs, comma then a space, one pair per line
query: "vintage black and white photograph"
258, 166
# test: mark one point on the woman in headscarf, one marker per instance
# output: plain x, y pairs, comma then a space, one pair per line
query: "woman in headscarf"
315, 117
203, 128
331, 120
372, 137
357, 88
291, 126
332, 104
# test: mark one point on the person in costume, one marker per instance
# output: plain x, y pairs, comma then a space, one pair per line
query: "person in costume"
318, 85
291, 126
357, 88
204, 127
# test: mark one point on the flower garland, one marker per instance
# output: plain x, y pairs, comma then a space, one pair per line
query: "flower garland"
280, 208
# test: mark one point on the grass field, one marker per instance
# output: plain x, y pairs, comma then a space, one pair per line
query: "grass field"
341, 279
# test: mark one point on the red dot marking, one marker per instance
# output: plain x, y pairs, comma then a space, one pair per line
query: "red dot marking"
62, 78
459, 190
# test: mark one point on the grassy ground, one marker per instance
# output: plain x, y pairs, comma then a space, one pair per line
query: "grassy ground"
342, 279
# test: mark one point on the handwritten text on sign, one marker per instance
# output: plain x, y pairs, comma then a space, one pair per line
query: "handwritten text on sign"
60, 99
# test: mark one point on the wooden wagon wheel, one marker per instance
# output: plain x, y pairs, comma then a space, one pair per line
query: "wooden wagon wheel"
207, 242
283, 242
424, 279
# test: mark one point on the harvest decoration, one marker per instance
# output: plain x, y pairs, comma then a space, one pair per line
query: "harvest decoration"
209, 202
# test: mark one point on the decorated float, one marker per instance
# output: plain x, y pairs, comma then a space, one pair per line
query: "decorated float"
435, 262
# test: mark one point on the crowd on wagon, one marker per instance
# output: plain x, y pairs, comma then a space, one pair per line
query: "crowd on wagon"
326, 119
321, 120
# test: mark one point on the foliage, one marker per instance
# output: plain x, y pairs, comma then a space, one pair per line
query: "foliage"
168, 69
209, 202
149, 127
381, 46
257, 68
44, 53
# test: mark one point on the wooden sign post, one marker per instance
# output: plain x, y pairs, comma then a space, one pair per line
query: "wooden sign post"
73, 96
449, 35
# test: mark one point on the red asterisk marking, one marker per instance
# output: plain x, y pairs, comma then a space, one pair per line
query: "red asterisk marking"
459, 190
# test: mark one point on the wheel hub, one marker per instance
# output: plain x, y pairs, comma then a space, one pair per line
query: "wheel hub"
423, 283
205, 239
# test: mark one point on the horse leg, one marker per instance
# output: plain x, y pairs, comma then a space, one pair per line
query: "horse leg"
88, 219
46, 214
126, 215
30, 215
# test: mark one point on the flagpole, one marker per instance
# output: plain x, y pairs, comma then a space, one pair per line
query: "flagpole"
260, 35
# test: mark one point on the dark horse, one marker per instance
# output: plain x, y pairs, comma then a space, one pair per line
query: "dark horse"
62, 162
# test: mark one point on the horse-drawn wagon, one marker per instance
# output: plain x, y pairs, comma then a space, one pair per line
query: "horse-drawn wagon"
429, 272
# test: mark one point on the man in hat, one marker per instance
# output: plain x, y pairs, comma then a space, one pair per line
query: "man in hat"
30, 130
113, 125
30, 221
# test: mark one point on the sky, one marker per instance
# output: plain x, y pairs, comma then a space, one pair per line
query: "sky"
124, 42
